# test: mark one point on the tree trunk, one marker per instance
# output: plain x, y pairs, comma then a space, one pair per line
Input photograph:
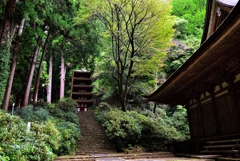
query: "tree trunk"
154, 108
12, 33
7, 24
30, 77
13, 67
35, 93
123, 102
49, 85
18, 100
62, 75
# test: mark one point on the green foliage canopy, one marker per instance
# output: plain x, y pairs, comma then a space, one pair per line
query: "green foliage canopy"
137, 34
191, 14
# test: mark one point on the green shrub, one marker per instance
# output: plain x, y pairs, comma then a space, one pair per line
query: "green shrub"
71, 117
56, 112
43, 140
67, 116
67, 105
54, 130
123, 127
3, 157
127, 128
12, 132
180, 123
158, 125
63, 115
31, 113
65, 109
70, 134
101, 112
41, 104
20, 145
48, 133
102, 107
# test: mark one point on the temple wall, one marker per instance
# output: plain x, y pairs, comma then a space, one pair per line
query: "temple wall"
216, 113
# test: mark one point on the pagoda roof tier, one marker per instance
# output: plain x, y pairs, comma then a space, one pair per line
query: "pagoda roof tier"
82, 73
85, 79
82, 93
83, 86
82, 82
84, 101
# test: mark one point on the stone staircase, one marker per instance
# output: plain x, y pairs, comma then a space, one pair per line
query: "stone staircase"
95, 146
94, 139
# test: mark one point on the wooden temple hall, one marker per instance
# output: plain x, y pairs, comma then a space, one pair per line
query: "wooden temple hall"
208, 84
81, 89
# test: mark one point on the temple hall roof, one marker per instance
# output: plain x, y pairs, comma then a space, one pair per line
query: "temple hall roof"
228, 2
217, 55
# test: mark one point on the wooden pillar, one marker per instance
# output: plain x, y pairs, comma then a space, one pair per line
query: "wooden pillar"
201, 113
215, 110
234, 105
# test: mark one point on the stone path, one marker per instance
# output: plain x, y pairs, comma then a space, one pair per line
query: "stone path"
94, 139
158, 156
95, 146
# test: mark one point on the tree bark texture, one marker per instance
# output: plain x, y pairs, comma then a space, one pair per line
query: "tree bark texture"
30, 77
49, 85
13, 67
7, 24
62, 75
35, 93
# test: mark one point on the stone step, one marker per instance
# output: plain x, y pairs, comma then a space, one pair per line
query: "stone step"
198, 156
94, 139
115, 157
219, 151
228, 159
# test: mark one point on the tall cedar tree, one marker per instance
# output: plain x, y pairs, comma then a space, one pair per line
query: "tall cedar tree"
13, 67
